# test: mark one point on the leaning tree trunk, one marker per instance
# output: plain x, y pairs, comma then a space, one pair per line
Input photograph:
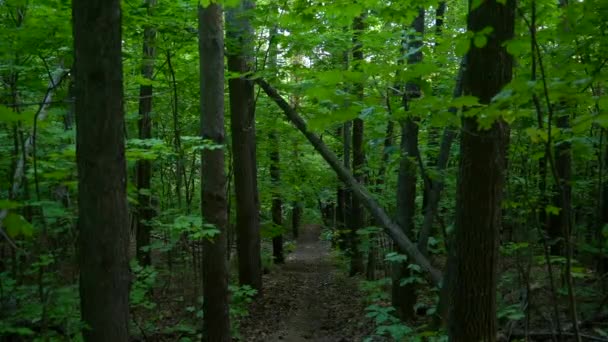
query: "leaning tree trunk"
480, 181
242, 124
213, 177
145, 211
100, 151
366, 198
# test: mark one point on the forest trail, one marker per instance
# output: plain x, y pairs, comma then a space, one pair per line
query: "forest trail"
308, 299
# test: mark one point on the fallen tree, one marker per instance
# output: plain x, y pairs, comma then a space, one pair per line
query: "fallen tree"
392, 229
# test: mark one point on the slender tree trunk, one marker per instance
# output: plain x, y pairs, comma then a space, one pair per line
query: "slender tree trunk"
275, 169
358, 213
603, 258
447, 139
214, 204
296, 218
480, 181
559, 225
242, 124
372, 256
177, 140
103, 218
404, 296
145, 211
277, 203
347, 240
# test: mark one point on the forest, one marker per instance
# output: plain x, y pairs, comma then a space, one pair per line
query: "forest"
304, 170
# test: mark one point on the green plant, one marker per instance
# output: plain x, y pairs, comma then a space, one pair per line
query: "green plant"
241, 297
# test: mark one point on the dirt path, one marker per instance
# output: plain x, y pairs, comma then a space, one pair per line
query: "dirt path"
307, 299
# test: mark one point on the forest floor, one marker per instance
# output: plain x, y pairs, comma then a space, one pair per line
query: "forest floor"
308, 299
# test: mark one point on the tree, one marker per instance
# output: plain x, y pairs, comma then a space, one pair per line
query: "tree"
239, 39
102, 202
481, 179
404, 297
213, 177
275, 165
145, 210
357, 211
277, 203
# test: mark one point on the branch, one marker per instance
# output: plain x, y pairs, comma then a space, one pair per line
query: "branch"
393, 230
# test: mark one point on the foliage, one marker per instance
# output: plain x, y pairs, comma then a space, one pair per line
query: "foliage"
241, 297
313, 69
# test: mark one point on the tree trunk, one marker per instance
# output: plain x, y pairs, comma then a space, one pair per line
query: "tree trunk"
177, 140
559, 225
239, 36
404, 297
145, 211
480, 181
102, 198
296, 218
277, 203
347, 134
603, 258
275, 169
214, 203
357, 212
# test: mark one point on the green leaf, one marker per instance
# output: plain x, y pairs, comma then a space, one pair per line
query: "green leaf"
7, 204
480, 41
552, 210
17, 225
462, 46
465, 101
475, 4
395, 257
517, 47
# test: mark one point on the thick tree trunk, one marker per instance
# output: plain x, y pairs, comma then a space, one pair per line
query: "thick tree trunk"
480, 181
394, 231
404, 297
357, 212
213, 177
145, 210
239, 36
100, 149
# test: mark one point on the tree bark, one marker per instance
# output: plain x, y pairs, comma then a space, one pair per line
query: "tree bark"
404, 297
480, 181
100, 151
393, 230
357, 212
277, 203
145, 210
214, 204
296, 218
239, 36
559, 225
